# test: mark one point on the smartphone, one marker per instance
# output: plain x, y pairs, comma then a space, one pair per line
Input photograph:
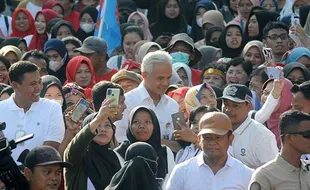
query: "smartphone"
79, 110
295, 19
268, 54
113, 93
178, 117
273, 72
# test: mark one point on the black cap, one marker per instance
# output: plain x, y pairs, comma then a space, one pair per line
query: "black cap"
237, 93
183, 37
44, 155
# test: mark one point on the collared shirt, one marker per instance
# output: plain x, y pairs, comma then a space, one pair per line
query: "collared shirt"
254, 145
194, 174
163, 110
44, 119
278, 174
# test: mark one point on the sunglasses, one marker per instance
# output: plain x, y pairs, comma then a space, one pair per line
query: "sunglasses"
304, 134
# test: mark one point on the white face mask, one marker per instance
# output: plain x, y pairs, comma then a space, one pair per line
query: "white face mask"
199, 22
55, 65
58, 101
87, 27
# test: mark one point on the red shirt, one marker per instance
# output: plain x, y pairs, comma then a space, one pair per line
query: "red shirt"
73, 18
196, 76
106, 76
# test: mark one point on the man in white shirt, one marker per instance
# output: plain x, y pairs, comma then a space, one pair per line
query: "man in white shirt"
156, 71
254, 144
213, 168
26, 113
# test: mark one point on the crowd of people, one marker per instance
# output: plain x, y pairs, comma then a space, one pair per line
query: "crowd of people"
236, 71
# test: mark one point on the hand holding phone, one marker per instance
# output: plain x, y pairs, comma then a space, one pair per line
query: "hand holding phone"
79, 110
274, 72
178, 120
269, 58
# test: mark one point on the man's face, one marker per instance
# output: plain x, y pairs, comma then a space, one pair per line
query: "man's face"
95, 58
215, 146
128, 84
181, 47
44, 177
300, 143
277, 40
300, 103
237, 112
41, 63
30, 87
195, 123
158, 80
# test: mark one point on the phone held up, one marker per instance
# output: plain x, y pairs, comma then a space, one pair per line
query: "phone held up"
79, 110
178, 119
113, 93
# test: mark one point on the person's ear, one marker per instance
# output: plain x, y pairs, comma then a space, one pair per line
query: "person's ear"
27, 173
249, 106
103, 57
199, 139
231, 139
144, 75
15, 85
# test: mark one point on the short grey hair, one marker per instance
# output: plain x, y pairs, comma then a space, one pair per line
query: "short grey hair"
153, 58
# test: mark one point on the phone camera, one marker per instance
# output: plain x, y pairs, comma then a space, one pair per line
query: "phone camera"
109, 92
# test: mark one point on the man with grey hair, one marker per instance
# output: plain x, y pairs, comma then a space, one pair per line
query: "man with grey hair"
156, 71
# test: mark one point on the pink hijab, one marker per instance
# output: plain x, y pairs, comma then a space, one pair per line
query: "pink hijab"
239, 20
284, 105
146, 30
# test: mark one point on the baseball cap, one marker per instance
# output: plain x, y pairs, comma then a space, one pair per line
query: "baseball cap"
93, 44
237, 93
183, 37
124, 74
214, 123
44, 155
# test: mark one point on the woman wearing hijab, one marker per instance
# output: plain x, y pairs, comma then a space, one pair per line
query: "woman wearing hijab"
229, 10
200, 95
52, 90
81, 71
253, 51
22, 23
72, 43
87, 20
144, 119
214, 74
201, 7
38, 39
212, 36
285, 103
210, 19
140, 20
296, 72
299, 54
73, 93
184, 73
11, 53
62, 29
169, 19
210, 55
4, 70
17, 42
55, 6
57, 53
139, 170
256, 23
244, 8
91, 152
270, 5
303, 15
147, 48
231, 41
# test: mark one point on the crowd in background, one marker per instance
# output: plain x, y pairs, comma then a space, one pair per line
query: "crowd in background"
205, 59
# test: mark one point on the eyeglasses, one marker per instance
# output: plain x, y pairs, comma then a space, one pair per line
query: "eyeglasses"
275, 37
304, 134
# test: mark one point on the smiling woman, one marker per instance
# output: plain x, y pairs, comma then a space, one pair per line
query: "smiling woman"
238, 71
23, 23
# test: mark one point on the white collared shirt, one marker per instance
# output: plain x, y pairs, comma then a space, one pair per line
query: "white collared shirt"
254, 144
194, 174
163, 110
44, 119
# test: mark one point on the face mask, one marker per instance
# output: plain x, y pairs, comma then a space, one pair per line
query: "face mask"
199, 22
58, 101
87, 27
55, 65
180, 57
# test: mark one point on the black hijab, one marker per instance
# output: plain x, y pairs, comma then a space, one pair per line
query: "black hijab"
9, 90
303, 13
154, 141
138, 172
101, 162
208, 36
227, 51
295, 65
51, 24
14, 41
164, 24
263, 18
92, 11
47, 82
60, 23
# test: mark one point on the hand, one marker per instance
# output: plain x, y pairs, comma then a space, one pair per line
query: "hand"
278, 85
185, 134
107, 111
72, 127
299, 31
